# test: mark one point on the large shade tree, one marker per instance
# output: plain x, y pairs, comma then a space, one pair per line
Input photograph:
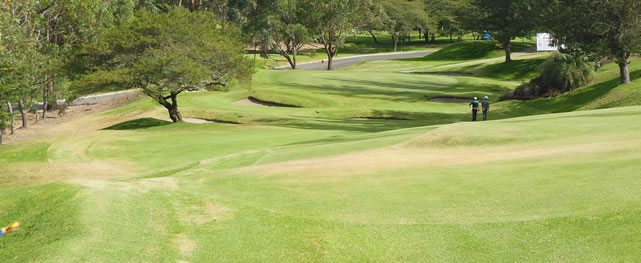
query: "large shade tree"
508, 19
601, 29
165, 54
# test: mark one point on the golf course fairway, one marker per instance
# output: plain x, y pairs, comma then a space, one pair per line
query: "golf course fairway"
363, 164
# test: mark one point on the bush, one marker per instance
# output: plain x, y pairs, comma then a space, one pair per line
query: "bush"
566, 72
526, 91
560, 73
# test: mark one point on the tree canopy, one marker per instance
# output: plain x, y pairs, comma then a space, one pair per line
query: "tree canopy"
601, 29
165, 54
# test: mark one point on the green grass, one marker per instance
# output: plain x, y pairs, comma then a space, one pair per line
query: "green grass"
473, 50
367, 169
49, 216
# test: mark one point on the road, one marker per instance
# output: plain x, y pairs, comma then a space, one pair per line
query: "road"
348, 61
104, 97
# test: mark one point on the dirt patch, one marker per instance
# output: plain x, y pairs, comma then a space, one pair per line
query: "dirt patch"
203, 214
253, 101
449, 100
186, 246
370, 162
61, 124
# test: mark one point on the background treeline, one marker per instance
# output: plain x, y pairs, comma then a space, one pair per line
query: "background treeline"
48, 48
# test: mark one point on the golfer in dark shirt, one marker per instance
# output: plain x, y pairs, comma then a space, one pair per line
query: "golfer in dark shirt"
475, 108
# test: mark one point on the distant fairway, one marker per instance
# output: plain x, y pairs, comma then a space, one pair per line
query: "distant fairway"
367, 167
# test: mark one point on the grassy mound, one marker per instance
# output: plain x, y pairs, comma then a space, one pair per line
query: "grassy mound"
604, 92
473, 50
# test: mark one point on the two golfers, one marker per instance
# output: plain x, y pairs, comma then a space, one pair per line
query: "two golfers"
484, 105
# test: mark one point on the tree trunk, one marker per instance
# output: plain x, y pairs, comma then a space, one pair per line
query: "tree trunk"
172, 108
508, 50
1, 134
23, 114
426, 36
624, 71
174, 114
295, 53
373, 36
395, 39
433, 37
451, 39
11, 121
330, 59
44, 101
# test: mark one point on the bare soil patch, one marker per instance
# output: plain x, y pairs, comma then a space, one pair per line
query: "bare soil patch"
57, 123
337, 168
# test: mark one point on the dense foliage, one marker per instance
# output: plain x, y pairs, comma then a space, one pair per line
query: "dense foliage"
559, 73
165, 54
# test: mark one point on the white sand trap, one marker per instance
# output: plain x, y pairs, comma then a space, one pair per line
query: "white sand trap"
246, 102
197, 121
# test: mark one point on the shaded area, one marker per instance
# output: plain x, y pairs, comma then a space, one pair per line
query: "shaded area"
251, 100
470, 50
142, 123
572, 101
407, 91
514, 70
449, 99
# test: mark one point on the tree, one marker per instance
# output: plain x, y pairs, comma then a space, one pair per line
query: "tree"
289, 29
4, 123
21, 66
508, 19
447, 15
334, 18
58, 28
404, 17
373, 19
601, 29
165, 54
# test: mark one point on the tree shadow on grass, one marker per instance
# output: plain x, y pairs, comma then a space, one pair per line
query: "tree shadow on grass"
407, 91
375, 121
142, 123
568, 102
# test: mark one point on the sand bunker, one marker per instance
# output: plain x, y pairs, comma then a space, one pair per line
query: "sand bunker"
204, 121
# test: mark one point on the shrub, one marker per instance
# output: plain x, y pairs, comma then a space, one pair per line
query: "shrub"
566, 72
560, 73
